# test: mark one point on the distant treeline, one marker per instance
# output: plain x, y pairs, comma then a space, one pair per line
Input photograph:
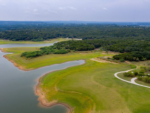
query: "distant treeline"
38, 31
130, 49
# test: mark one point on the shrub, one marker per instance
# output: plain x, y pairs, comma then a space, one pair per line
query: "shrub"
139, 78
148, 68
135, 72
122, 60
125, 74
108, 58
129, 74
142, 71
133, 66
143, 68
61, 51
145, 79
141, 74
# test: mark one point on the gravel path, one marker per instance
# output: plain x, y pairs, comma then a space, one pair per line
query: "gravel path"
132, 80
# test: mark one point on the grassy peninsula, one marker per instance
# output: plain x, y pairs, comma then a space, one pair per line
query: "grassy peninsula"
45, 60
88, 88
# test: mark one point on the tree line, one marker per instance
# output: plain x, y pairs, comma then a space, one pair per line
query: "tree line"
130, 49
38, 31
62, 48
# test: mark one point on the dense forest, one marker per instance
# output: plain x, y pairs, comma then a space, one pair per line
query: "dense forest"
132, 50
132, 41
38, 31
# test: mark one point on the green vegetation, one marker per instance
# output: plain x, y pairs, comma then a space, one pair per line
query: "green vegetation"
50, 59
131, 49
93, 87
44, 51
134, 56
63, 48
142, 74
39, 31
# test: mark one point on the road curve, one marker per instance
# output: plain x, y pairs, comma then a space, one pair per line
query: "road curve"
132, 80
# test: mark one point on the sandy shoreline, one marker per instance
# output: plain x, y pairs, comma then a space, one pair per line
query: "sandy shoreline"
42, 99
2, 49
14, 63
44, 102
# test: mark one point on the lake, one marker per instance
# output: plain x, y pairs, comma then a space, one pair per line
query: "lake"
17, 86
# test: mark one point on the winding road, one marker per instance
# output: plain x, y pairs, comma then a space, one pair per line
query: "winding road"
132, 80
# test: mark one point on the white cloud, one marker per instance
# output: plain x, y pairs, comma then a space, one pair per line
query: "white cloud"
35, 10
104, 8
62, 8
70, 7
66, 8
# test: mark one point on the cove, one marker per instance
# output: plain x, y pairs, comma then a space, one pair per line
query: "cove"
17, 86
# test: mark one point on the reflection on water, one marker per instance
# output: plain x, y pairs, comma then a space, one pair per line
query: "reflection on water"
17, 87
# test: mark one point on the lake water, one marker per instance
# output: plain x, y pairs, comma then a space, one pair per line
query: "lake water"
17, 87
24, 45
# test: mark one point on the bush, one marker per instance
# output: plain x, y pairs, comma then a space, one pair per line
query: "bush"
135, 72
145, 79
129, 74
125, 74
61, 51
133, 66
139, 78
142, 71
148, 68
143, 68
122, 60
141, 74
108, 58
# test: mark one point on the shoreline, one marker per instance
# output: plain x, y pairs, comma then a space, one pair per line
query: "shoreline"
2, 49
16, 65
41, 97
43, 102
38, 91
23, 69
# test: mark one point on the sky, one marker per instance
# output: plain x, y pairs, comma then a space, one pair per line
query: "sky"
75, 10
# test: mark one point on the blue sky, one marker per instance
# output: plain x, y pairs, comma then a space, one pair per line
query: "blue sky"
76, 10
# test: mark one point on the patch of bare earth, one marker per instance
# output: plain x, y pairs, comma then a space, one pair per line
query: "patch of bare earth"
109, 52
128, 62
102, 61
2, 49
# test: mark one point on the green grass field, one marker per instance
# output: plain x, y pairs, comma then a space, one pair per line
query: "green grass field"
88, 88
31, 42
93, 87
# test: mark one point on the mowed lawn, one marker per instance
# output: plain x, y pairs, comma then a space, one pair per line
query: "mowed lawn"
92, 88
